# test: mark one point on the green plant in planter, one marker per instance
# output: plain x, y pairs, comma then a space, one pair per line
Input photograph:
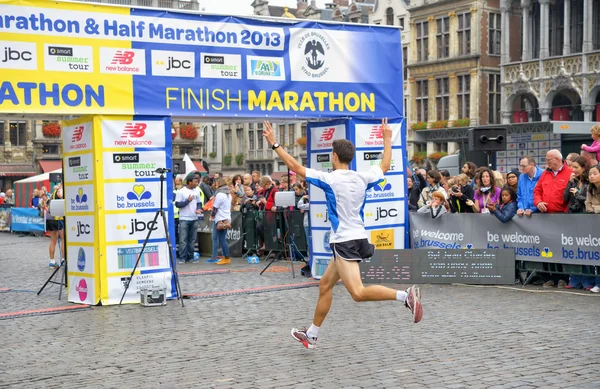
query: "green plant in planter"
227, 160
212, 154
461, 123
418, 126
239, 159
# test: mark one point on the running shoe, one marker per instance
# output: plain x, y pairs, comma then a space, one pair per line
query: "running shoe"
53, 263
301, 336
212, 260
413, 303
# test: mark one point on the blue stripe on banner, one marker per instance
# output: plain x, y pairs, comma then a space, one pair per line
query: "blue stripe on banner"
323, 254
157, 240
147, 210
384, 226
319, 202
151, 271
151, 149
321, 228
320, 151
393, 173
384, 200
145, 180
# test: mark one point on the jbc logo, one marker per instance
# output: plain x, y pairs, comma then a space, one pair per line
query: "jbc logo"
15, 55
383, 213
82, 229
141, 226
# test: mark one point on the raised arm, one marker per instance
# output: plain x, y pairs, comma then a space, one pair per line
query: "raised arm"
386, 131
289, 161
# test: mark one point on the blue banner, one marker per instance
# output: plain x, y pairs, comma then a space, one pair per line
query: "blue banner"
26, 220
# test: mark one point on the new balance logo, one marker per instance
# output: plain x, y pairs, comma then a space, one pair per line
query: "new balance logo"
134, 130
327, 134
77, 134
123, 57
376, 133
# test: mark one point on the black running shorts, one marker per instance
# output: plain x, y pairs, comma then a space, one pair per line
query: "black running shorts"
54, 225
353, 250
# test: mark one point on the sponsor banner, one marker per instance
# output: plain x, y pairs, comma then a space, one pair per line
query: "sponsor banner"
79, 168
5, 219
81, 259
332, 70
366, 159
82, 290
133, 133
320, 241
77, 137
384, 213
319, 265
173, 63
391, 187
541, 238
319, 216
234, 235
66, 58
387, 238
133, 226
80, 229
79, 198
221, 66
18, 55
132, 165
123, 257
323, 137
370, 135
265, 68
132, 196
26, 220
122, 61
116, 286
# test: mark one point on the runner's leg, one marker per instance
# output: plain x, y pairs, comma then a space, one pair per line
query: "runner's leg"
349, 272
328, 281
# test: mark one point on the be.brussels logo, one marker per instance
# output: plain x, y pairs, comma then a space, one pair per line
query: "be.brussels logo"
315, 47
546, 253
382, 186
381, 190
81, 259
137, 225
137, 197
326, 242
82, 289
383, 239
80, 202
18, 55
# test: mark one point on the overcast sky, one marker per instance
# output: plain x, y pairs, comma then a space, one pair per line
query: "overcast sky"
242, 7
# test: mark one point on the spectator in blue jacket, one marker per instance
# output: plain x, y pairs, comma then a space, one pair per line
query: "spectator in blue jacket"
527, 182
508, 205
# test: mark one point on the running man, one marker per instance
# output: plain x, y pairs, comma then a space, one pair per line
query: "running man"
346, 190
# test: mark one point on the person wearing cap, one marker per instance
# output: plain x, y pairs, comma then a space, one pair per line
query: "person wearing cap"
190, 206
512, 179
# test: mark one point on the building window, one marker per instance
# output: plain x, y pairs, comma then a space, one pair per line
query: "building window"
422, 100
596, 28
1, 132
389, 16
260, 139
464, 34
442, 98
422, 41
494, 99
239, 136
282, 134
204, 140
251, 140
214, 138
577, 26
269, 168
405, 62
50, 149
189, 150
464, 100
557, 28
291, 134
228, 141
443, 37
18, 133
495, 33
303, 130
402, 23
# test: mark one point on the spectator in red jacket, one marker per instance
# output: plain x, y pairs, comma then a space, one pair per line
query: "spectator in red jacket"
548, 193
268, 201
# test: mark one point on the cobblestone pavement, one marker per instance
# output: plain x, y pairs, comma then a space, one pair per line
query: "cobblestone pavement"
470, 337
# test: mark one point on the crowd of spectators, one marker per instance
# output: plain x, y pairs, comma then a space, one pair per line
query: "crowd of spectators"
565, 185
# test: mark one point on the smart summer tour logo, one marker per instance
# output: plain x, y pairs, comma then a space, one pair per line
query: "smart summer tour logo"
137, 197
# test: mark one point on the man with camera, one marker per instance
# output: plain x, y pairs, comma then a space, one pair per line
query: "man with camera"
457, 199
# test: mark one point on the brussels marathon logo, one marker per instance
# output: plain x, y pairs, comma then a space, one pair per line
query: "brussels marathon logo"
137, 197
79, 203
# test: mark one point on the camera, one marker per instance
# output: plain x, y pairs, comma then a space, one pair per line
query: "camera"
485, 190
455, 189
162, 170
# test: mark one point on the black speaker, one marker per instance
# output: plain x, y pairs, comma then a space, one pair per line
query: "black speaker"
179, 166
55, 177
487, 139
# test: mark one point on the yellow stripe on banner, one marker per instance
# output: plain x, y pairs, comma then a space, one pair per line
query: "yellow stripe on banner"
79, 183
74, 153
119, 180
80, 213
122, 242
99, 192
75, 122
85, 244
120, 212
124, 273
79, 274
118, 149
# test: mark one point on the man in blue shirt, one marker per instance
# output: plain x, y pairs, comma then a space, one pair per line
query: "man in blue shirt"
527, 182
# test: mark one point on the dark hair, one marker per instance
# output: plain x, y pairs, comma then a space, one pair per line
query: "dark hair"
530, 160
511, 191
437, 177
592, 188
344, 149
583, 162
236, 177
472, 167
492, 179
445, 173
